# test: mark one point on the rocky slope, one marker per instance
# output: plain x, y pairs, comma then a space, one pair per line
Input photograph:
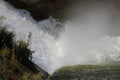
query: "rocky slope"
60, 9
41, 9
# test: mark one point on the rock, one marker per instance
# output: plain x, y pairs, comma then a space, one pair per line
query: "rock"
40, 9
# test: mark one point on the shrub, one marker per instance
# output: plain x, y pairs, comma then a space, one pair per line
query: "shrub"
12, 54
22, 51
6, 38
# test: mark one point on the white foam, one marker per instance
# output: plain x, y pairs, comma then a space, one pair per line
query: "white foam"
42, 42
72, 48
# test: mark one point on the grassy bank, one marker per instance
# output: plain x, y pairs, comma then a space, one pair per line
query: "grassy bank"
109, 71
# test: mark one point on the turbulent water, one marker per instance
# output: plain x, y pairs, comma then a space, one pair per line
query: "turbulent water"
82, 42
43, 34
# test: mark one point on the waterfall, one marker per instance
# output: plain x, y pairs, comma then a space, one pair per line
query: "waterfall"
44, 33
86, 41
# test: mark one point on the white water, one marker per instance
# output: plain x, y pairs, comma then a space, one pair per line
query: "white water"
43, 38
83, 41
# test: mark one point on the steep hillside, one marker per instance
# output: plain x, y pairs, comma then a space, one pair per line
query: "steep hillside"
15, 59
60, 9
41, 9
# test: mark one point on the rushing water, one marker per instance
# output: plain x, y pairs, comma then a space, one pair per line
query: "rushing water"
82, 42
43, 34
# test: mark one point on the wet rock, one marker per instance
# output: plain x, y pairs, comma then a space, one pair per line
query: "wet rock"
40, 9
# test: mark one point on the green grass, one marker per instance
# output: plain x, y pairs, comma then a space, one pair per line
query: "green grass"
108, 71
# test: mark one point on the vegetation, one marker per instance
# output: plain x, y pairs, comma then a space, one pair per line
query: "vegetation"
22, 51
12, 56
88, 72
6, 38
29, 76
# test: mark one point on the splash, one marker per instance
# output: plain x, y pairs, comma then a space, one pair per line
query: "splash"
44, 34
91, 35
85, 40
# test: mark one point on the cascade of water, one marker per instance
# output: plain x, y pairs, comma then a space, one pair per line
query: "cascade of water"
78, 44
43, 33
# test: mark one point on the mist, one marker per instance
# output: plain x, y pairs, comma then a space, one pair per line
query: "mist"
91, 34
